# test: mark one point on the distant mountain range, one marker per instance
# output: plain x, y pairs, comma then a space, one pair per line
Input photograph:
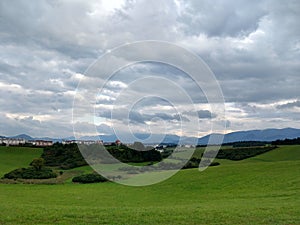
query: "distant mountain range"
251, 135
257, 135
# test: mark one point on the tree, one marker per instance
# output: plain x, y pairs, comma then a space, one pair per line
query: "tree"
38, 163
138, 146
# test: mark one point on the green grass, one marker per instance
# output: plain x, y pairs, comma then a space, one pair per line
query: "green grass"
261, 190
284, 153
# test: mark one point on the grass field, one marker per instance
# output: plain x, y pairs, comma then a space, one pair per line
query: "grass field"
260, 190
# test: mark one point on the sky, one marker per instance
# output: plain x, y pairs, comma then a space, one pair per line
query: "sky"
252, 48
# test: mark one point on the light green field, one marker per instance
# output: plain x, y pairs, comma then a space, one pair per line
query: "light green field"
261, 190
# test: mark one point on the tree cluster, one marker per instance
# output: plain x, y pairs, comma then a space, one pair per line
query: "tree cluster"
64, 156
69, 156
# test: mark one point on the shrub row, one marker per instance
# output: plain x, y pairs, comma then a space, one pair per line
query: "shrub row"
89, 178
31, 173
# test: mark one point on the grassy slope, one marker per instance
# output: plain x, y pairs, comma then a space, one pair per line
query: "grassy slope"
261, 190
291, 152
14, 157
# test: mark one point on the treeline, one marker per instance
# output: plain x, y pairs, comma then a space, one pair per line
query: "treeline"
240, 144
295, 141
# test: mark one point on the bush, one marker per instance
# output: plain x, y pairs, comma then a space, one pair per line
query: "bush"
194, 163
30, 173
89, 178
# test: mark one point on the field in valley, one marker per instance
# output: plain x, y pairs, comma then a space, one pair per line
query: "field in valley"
261, 190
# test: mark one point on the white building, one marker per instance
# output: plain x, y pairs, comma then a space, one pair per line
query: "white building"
12, 141
81, 142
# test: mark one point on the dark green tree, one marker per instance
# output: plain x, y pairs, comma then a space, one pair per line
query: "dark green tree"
38, 163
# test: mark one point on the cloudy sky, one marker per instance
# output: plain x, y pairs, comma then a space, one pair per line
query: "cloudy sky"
252, 47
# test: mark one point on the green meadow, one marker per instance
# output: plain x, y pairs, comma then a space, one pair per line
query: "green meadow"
261, 190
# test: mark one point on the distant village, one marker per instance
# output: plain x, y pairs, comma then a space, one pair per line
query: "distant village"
44, 143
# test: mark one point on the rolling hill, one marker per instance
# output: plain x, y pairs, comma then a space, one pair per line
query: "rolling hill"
259, 190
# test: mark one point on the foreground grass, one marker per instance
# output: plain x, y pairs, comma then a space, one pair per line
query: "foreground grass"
245, 192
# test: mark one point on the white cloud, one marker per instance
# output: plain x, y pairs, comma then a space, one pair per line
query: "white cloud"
46, 46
